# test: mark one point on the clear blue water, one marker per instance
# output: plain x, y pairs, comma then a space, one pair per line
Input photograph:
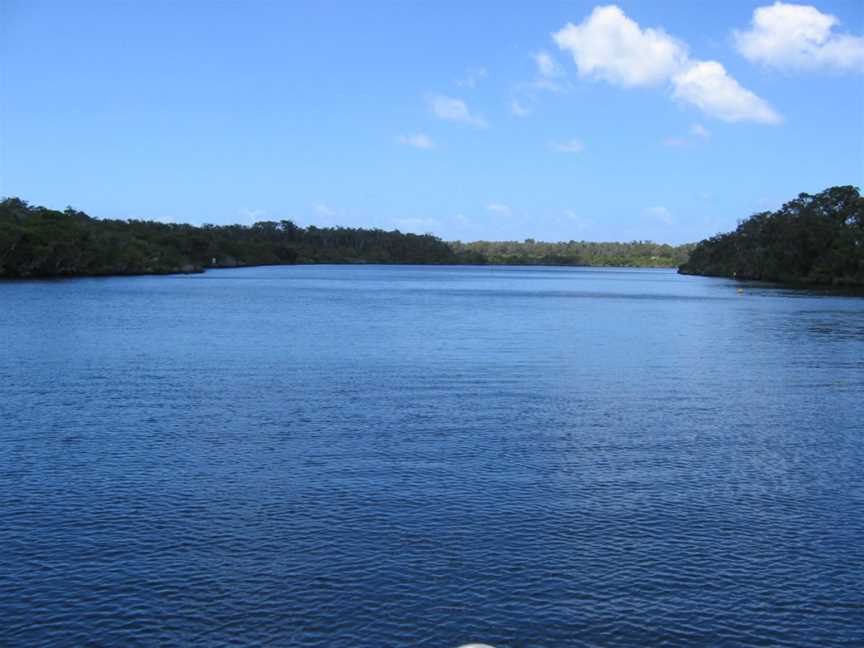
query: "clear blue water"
427, 456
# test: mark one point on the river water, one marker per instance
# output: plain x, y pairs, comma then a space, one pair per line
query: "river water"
351, 456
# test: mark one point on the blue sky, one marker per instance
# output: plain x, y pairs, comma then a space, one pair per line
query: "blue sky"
667, 121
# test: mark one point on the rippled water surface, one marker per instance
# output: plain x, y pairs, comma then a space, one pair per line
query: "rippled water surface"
417, 456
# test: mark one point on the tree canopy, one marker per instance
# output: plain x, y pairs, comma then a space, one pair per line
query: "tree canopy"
814, 239
575, 253
40, 242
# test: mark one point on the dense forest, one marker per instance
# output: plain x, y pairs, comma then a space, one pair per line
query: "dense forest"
40, 242
574, 253
814, 239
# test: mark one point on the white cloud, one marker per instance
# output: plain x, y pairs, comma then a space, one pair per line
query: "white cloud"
456, 110
799, 37
519, 109
497, 208
472, 77
549, 78
323, 210
706, 85
417, 140
660, 214
696, 132
549, 85
611, 47
250, 215
700, 131
570, 146
547, 66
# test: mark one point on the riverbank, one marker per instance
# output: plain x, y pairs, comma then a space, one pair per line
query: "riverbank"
191, 270
842, 284
36, 242
814, 240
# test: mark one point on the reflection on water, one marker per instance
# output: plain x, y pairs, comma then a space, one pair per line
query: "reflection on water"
416, 456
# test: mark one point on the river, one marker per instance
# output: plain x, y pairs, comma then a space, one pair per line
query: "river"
351, 456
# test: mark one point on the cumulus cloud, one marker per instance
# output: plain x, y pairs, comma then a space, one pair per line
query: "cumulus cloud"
708, 86
456, 110
609, 46
547, 66
799, 37
417, 140
570, 146
497, 208
519, 109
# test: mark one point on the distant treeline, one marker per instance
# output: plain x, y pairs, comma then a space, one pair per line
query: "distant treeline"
573, 253
40, 242
814, 239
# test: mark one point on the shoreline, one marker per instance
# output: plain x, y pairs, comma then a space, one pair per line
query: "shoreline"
840, 285
203, 269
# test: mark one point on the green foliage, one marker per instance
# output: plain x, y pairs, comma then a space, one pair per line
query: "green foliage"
573, 253
814, 239
40, 242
